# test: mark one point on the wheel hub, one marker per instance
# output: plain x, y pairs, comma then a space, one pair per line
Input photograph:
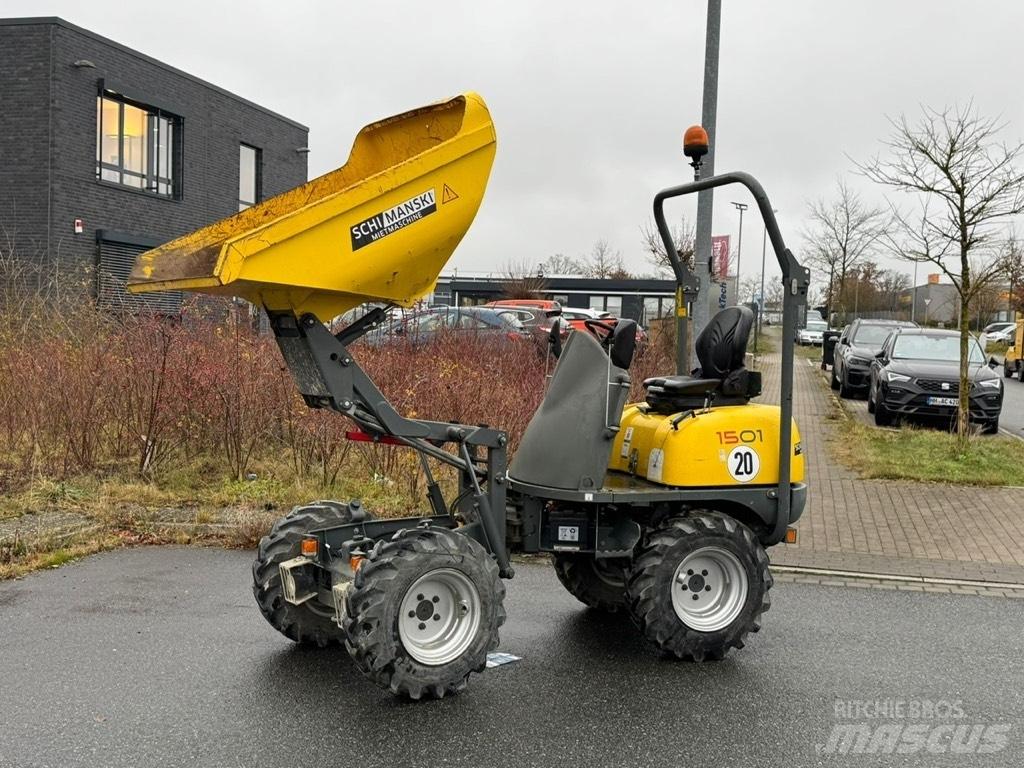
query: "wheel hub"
439, 616
709, 589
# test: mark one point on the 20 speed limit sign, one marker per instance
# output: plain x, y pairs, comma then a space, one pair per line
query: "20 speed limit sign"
744, 463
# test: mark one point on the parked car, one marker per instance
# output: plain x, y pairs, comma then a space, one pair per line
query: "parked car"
917, 373
1003, 334
422, 327
858, 344
548, 305
536, 320
991, 328
813, 333
576, 317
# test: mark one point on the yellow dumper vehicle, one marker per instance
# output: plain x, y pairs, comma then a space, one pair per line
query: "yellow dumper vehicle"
1012, 363
662, 509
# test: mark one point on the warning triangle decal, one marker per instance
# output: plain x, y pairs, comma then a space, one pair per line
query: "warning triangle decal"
448, 194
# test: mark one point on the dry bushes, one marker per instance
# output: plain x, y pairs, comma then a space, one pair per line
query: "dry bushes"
144, 396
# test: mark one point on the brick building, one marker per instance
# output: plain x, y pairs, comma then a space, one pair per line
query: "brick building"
106, 152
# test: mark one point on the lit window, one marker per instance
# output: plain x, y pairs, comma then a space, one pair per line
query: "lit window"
137, 146
249, 176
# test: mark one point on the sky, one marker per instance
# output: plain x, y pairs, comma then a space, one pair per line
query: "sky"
590, 99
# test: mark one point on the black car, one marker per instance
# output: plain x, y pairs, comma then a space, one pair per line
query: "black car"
860, 341
917, 373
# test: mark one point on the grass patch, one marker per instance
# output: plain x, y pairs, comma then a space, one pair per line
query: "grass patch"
767, 342
41, 556
808, 353
922, 454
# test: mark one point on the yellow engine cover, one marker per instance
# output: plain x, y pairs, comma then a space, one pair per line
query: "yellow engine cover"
726, 446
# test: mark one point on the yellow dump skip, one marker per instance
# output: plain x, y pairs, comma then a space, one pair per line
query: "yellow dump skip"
380, 228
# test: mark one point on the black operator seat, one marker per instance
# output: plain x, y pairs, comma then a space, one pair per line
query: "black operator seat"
722, 378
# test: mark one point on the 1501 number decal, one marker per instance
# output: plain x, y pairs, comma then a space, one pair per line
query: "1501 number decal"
734, 437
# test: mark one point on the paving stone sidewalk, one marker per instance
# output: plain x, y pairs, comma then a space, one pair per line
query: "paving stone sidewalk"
929, 530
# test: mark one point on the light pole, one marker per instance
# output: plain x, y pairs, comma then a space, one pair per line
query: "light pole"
760, 300
705, 198
913, 296
741, 207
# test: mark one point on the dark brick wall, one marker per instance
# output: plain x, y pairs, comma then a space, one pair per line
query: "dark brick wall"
214, 123
24, 138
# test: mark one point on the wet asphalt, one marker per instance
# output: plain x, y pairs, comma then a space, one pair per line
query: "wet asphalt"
158, 657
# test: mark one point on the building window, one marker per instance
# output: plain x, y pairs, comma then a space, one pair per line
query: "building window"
250, 176
137, 146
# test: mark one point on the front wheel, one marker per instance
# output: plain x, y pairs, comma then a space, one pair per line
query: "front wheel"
883, 417
310, 623
991, 427
424, 612
699, 586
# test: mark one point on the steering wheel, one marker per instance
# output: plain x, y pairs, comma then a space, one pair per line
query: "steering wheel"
608, 329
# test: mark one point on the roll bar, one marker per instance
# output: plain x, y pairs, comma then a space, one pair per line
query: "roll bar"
795, 279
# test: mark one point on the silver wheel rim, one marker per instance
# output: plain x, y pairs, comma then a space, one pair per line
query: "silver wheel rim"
709, 589
439, 616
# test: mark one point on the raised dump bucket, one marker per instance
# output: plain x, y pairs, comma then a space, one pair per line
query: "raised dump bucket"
380, 228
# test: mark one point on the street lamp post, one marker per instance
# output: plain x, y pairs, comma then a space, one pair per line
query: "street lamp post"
913, 296
741, 207
760, 300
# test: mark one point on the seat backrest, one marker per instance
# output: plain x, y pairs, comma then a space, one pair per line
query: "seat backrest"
722, 346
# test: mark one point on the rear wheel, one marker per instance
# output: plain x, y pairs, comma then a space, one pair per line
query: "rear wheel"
600, 584
1007, 371
1020, 372
424, 612
311, 622
699, 586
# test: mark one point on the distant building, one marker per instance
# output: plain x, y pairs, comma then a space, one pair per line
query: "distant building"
933, 303
106, 152
639, 299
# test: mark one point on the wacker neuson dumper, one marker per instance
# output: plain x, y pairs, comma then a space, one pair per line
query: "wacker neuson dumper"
662, 508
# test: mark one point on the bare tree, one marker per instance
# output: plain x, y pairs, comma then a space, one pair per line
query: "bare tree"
1011, 269
965, 183
683, 236
748, 289
604, 262
520, 281
841, 232
560, 264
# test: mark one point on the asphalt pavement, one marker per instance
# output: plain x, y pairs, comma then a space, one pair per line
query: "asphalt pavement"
158, 657
1011, 419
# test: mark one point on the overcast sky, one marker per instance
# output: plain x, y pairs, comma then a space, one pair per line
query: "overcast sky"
590, 99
